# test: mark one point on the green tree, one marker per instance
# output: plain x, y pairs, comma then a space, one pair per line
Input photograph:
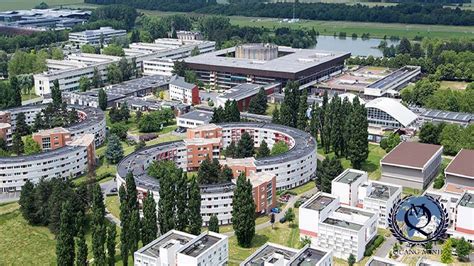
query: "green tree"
125, 223
258, 104
119, 129
243, 212
88, 49
230, 150
114, 75
17, 144
195, 51
149, 222
430, 133
279, 148
214, 224
31, 146
302, 121
452, 139
244, 146
111, 234
463, 248
179, 68
65, 240
276, 116
263, 150
84, 84
218, 115
135, 36
404, 47
329, 169
390, 142
351, 260
133, 233
446, 256
167, 203
231, 112
124, 112
102, 100
96, 81
27, 202
304, 241
194, 207
290, 215
114, 50
15, 88
357, 144
140, 145
56, 95
81, 258
98, 225
181, 201
22, 127
114, 151
314, 121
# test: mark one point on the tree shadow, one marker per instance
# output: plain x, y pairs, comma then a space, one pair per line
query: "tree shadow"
259, 240
369, 166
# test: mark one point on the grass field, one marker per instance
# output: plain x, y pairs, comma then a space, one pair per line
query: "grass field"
376, 30
454, 85
28, 4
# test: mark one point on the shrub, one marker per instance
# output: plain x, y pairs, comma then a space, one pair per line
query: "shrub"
373, 245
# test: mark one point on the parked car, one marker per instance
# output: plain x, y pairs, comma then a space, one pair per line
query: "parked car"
113, 189
276, 210
282, 220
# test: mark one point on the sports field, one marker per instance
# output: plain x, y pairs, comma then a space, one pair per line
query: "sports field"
28, 4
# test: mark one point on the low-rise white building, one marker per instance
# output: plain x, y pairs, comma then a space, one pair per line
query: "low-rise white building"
379, 261
463, 225
346, 185
182, 91
193, 119
379, 197
102, 35
207, 249
346, 230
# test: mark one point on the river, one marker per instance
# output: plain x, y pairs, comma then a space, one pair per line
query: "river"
355, 46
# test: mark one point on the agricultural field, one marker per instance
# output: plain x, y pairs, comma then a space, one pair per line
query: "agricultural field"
28, 4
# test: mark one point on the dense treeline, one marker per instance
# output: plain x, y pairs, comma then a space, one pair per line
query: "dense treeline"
403, 13
451, 136
39, 39
446, 60
121, 13
164, 5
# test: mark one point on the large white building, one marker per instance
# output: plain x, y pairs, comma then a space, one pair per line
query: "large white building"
175, 246
72, 160
390, 113
69, 71
344, 229
346, 185
272, 254
102, 35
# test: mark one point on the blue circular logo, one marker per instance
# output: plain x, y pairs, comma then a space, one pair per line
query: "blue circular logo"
418, 220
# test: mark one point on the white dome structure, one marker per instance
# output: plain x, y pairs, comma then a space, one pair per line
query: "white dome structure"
390, 113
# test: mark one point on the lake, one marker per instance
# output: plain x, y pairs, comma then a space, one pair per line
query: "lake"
355, 46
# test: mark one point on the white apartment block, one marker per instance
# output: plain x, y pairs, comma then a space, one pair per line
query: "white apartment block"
207, 249
193, 119
162, 251
379, 197
71, 160
180, 90
346, 185
217, 200
272, 254
379, 261
463, 223
346, 230
189, 35
94, 37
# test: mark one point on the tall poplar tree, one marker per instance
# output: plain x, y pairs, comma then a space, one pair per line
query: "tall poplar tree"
214, 224
166, 204
358, 145
98, 225
322, 119
111, 234
194, 207
133, 233
181, 201
149, 222
243, 212
102, 99
125, 223
302, 121
65, 242
314, 122
276, 116
81, 258
337, 125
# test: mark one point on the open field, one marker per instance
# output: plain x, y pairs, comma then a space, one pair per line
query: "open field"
28, 4
376, 30
454, 85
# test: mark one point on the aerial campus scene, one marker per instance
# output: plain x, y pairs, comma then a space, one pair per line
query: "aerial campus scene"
237, 132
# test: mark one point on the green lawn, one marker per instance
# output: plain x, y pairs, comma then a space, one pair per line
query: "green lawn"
30, 96
112, 203
28, 4
454, 85
302, 189
371, 165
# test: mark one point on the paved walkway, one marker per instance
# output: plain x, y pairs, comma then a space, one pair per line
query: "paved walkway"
387, 245
278, 216
106, 189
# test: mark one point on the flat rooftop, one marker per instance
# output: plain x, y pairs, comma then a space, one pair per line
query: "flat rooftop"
446, 115
347, 177
319, 203
343, 224
153, 249
411, 154
180, 82
290, 60
396, 75
376, 261
309, 256
200, 245
268, 251
346, 210
382, 191
462, 165
197, 115
467, 200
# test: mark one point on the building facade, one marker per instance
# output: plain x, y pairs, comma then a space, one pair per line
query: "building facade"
180, 90
103, 35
